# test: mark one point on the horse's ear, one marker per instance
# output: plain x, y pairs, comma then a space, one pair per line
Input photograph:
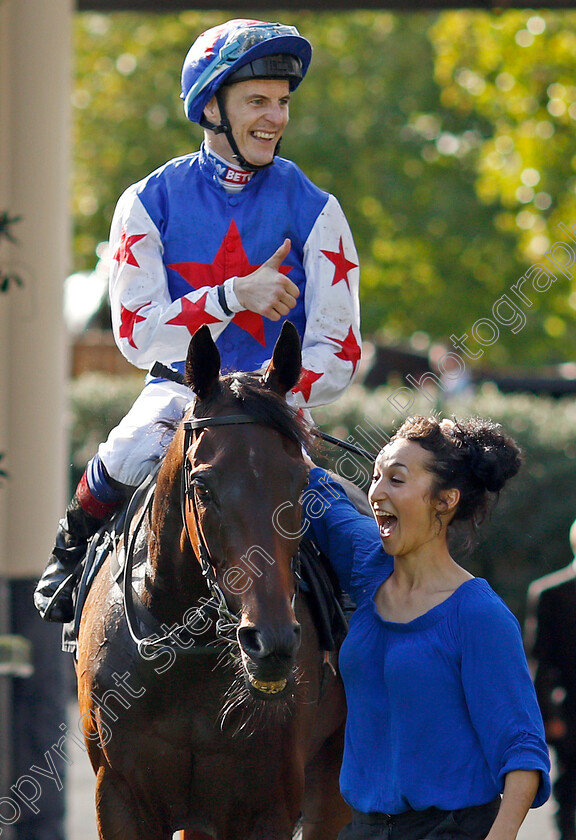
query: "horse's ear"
283, 371
202, 364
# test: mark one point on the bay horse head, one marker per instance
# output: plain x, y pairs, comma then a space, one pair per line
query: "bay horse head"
239, 455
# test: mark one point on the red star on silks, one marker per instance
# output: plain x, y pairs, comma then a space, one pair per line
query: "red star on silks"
350, 351
128, 321
124, 253
342, 265
230, 261
194, 314
307, 379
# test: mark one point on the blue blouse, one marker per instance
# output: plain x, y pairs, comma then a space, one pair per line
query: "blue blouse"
439, 708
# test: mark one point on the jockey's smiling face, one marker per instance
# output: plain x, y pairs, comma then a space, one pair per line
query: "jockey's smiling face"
258, 111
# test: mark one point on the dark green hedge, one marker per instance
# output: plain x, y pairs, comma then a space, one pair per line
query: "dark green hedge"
97, 402
527, 535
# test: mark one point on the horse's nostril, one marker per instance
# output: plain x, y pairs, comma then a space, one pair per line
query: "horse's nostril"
278, 642
251, 641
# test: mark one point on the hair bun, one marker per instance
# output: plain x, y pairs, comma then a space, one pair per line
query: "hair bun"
493, 457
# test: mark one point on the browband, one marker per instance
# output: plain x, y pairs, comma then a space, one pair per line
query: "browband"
226, 420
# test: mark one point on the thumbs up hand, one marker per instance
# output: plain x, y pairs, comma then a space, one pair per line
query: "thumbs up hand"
267, 291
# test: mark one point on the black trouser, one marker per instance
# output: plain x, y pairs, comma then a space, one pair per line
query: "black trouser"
432, 824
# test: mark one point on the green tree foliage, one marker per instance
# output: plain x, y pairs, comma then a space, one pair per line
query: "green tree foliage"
382, 123
516, 71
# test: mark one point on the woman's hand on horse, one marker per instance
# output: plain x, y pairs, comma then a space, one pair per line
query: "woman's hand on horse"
267, 291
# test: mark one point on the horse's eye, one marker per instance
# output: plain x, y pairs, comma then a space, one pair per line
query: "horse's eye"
202, 493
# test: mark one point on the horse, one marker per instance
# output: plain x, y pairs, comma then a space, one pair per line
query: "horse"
221, 722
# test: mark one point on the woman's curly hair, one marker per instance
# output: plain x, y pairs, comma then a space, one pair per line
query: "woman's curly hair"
473, 455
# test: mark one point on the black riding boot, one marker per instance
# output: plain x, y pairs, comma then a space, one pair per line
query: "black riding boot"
53, 595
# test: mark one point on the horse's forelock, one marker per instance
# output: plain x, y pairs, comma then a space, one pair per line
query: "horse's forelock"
246, 392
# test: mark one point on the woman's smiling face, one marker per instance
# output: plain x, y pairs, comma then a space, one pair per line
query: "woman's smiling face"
401, 497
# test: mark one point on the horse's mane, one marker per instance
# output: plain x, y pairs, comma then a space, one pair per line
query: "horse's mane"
249, 395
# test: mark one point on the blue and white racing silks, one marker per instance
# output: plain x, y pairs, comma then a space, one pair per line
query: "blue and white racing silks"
179, 239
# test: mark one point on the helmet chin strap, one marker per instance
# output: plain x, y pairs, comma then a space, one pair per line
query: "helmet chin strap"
226, 128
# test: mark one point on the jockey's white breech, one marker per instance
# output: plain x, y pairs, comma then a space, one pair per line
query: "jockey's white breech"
136, 446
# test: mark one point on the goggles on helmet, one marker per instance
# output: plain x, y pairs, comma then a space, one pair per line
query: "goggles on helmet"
238, 42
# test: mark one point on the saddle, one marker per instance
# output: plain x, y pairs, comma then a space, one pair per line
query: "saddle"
329, 605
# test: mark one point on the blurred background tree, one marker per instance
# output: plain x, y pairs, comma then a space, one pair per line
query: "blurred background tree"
516, 71
447, 139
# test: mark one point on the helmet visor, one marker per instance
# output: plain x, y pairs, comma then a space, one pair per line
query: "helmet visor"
242, 40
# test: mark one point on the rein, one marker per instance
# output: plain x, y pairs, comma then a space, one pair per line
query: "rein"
226, 620
134, 610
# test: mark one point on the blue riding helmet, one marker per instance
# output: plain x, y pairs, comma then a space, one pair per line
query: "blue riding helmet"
264, 50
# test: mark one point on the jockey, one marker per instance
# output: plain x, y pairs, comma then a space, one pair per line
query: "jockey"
231, 236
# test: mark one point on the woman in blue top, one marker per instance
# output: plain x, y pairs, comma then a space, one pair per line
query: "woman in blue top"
442, 714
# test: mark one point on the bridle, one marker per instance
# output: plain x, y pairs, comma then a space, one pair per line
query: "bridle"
135, 612
227, 620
